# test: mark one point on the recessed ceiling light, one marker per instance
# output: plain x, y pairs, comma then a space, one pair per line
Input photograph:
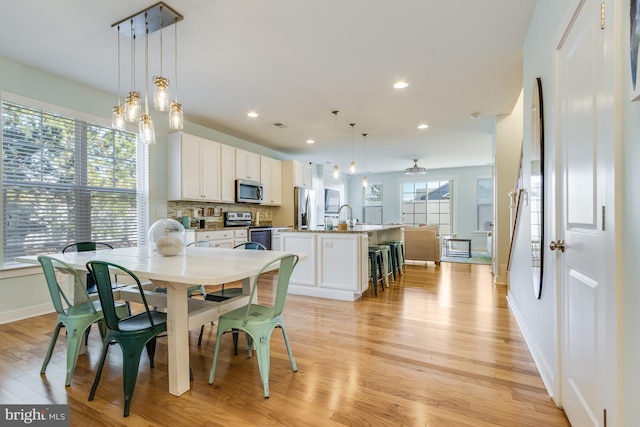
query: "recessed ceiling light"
423, 126
400, 85
474, 116
310, 141
252, 114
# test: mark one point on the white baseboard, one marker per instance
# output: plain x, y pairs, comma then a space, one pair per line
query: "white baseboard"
546, 373
25, 313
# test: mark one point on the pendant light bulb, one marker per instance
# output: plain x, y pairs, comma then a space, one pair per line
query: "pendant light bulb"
176, 118
147, 131
336, 171
161, 95
352, 166
365, 181
117, 118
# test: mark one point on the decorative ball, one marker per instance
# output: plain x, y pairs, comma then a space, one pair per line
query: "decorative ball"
166, 237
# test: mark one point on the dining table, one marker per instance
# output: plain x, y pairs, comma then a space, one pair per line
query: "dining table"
194, 266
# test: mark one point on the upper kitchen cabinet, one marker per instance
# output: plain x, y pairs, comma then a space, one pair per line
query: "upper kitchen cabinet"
247, 165
271, 178
303, 175
297, 173
227, 174
194, 168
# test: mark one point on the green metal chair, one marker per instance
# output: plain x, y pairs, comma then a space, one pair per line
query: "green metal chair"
91, 285
76, 314
259, 321
132, 333
223, 294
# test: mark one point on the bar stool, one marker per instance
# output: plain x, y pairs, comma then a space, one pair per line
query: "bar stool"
386, 261
395, 260
403, 265
375, 261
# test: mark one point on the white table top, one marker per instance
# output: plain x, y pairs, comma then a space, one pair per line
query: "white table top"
195, 266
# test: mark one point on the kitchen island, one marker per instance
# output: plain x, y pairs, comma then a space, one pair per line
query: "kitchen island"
337, 263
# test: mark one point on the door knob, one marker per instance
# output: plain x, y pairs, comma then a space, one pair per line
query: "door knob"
557, 245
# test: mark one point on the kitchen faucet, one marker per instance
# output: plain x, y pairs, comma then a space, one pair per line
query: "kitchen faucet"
350, 213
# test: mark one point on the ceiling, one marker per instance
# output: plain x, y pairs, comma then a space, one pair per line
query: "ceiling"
295, 61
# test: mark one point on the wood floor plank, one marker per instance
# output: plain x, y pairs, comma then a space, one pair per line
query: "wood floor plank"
437, 348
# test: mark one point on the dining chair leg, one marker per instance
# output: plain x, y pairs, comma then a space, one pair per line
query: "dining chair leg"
52, 344
289, 352
74, 341
212, 372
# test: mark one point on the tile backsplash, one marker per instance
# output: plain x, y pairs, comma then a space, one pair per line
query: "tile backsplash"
213, 213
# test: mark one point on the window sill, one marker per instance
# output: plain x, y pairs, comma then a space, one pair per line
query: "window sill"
18, 270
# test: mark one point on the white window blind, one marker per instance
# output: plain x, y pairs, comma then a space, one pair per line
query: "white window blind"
66, 180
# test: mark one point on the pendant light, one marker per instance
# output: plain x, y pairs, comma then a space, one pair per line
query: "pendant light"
145, 22
117, 118
147, 131
365, 180
352, 166
336, 168
175, 111
132, 101
161, 95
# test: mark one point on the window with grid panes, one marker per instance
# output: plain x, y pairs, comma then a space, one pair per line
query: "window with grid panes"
428, 202
67, 180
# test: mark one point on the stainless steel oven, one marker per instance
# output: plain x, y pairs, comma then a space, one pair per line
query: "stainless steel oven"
261, 234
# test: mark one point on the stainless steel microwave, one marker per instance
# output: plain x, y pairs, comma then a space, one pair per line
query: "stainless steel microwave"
248, 191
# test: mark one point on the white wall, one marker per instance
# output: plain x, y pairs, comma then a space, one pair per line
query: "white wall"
538, 318
464, 202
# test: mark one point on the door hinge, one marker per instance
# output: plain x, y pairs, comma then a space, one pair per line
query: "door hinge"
603, 212
602, 16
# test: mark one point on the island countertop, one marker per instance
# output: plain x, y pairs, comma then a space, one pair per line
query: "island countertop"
360, 228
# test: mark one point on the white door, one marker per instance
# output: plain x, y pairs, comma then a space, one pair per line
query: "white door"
586, 141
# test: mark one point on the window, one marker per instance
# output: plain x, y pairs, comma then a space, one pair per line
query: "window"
428, 202
66, 180
484, 207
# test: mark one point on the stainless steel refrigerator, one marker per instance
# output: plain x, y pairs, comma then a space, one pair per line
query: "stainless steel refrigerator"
304, 206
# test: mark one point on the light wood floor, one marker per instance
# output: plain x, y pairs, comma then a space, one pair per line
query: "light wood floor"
437, 348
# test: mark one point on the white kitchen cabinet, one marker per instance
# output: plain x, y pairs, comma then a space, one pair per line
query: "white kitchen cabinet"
247, 165
240, 236
271, 178
304, 275
194, 165
342, 261
219, 238
227, 174
303, 176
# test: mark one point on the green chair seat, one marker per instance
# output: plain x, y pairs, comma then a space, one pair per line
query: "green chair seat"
133, 333
259, 321
77, 316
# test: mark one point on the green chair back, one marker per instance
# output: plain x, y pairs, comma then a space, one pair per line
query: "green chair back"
76, 314
259, 321
86, 246
202, 244
287, 264
132, 333
251, 245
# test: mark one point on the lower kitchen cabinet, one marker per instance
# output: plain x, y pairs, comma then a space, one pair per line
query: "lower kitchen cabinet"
336, 266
